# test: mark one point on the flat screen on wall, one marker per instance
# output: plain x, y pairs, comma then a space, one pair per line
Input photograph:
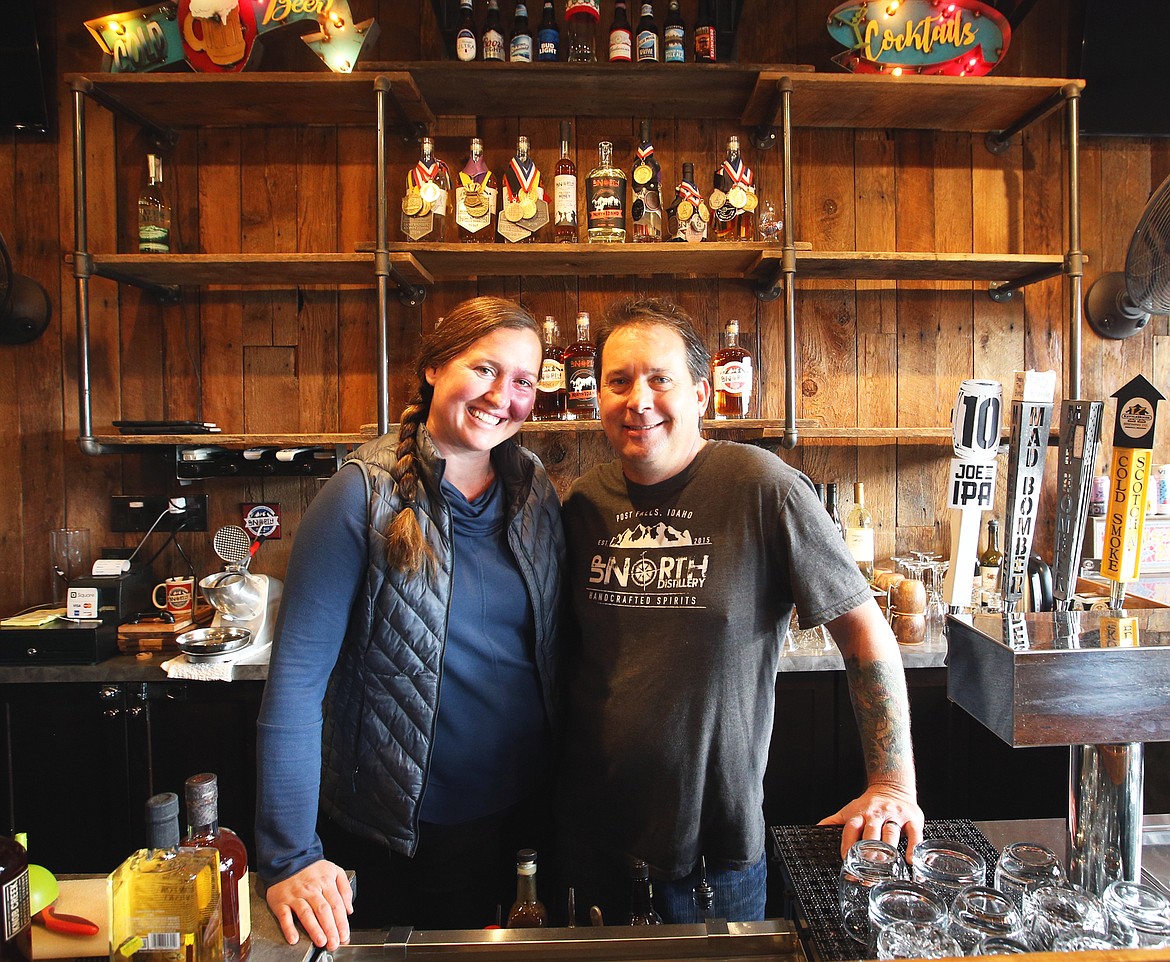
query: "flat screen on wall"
1123, 63
23, 106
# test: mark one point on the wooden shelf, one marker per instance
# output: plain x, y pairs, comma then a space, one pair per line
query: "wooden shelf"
236, 270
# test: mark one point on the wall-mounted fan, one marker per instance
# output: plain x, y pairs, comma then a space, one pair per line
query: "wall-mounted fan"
24, 305
1118, 304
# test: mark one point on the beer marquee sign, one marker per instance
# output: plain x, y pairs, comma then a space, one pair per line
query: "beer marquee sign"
958, 38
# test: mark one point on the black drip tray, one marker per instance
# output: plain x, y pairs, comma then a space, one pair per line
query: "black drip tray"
810, 858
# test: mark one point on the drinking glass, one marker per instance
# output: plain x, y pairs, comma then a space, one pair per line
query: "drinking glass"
901, 900
1024, 867
769, 224
916, 940
946, 866
69, 556
980, 912
1139, 916
1055, 910
867, 863
995, 945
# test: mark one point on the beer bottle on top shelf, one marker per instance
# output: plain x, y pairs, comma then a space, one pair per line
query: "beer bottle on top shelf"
648, 43
621, 36
674, 35
859, 532
731, 376
548, 35
520, 46
550, 391
465, 42
605, 194
705, 50
734, 201
642, 911
565, 192
689, 213
581, 19
475, 198
528, 912
580, 378
492, 42
524, 206
646, 208
424, 205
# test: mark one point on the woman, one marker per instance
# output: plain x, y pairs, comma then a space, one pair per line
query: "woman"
431, 561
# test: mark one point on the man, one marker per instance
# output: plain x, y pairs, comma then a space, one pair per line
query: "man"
686, 557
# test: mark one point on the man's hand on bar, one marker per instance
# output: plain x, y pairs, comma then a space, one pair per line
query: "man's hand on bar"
882, 811
320, 898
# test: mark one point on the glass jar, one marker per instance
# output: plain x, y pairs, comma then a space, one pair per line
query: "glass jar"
1056, 910
868, 862
900, 900
1025, 866
979, 912
1139, 915
946, 866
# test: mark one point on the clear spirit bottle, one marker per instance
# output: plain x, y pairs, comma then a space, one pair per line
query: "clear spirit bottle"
646, 208
428, 189
154, 213
605, 189
523, 203
475, 198
565, 229
731, 376
734, 201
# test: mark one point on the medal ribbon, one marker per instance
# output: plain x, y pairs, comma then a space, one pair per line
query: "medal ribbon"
646, 152
739, 173
424, 173
688, 192
476, 170
522, 178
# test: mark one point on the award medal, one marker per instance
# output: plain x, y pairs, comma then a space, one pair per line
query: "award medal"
521, 191
740, 177
643, 171
691, 207
423, 177
473, 196
412, 202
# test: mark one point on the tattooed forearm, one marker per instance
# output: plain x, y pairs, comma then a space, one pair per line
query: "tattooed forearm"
878, 692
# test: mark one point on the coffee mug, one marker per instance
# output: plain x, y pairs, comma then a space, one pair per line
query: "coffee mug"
178, 596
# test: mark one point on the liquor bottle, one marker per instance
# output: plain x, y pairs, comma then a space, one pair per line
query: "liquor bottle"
528, 912
424, 205
165, 900
565, 192
580, 378
204, 830
734, 201
520, 46
649, 46
646, 208
705, 49
548, 35
731, 376
154, 213
465, 45
492, 42
689, 213
523, 206
859, 532
16, 936
581, 19
475, 198
642, 911
674, 35
550, 390
991, 558
621, 36
831, 506
605, 195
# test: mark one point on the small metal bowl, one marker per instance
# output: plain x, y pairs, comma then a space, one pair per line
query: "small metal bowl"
208, 644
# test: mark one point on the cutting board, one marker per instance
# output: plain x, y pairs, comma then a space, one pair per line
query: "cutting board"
84, 897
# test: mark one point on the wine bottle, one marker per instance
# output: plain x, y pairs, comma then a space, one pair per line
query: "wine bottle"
165, 903
565, 192
475, 198
528, 912
548, 35
605, 195
991, 558
648, 44
674, 35
646, 209
859, 532
424, 205
621, 36
705, 48
831, 506
580, 377
689, 213
550, 390
204, 830
465, 44
731, 376
154, 213
520, 45
642, 911
16, 935
492, 42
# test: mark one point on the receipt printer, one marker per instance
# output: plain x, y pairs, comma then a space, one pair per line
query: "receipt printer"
110, 599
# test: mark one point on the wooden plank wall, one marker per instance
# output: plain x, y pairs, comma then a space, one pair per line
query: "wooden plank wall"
871, 353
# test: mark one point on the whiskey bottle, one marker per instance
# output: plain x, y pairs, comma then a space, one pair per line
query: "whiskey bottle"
831, 507
621, 37
520, 46
204, 830
550, 390
581, 19
465, 45
991, 558
524, 205
705, 49
475, 198
548, 35
648, 44
731, 376
580, 377
154, 213
565, 192
605, 195
674, 35
528, 912
165, 900
492, 42
859, 532
646, 209
733, 201
642, 911
16, 936
689, 214
424, 205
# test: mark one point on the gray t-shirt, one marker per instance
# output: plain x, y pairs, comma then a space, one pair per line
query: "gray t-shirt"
683, 592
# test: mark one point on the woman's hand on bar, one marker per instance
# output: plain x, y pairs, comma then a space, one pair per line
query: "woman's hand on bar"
320, 898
